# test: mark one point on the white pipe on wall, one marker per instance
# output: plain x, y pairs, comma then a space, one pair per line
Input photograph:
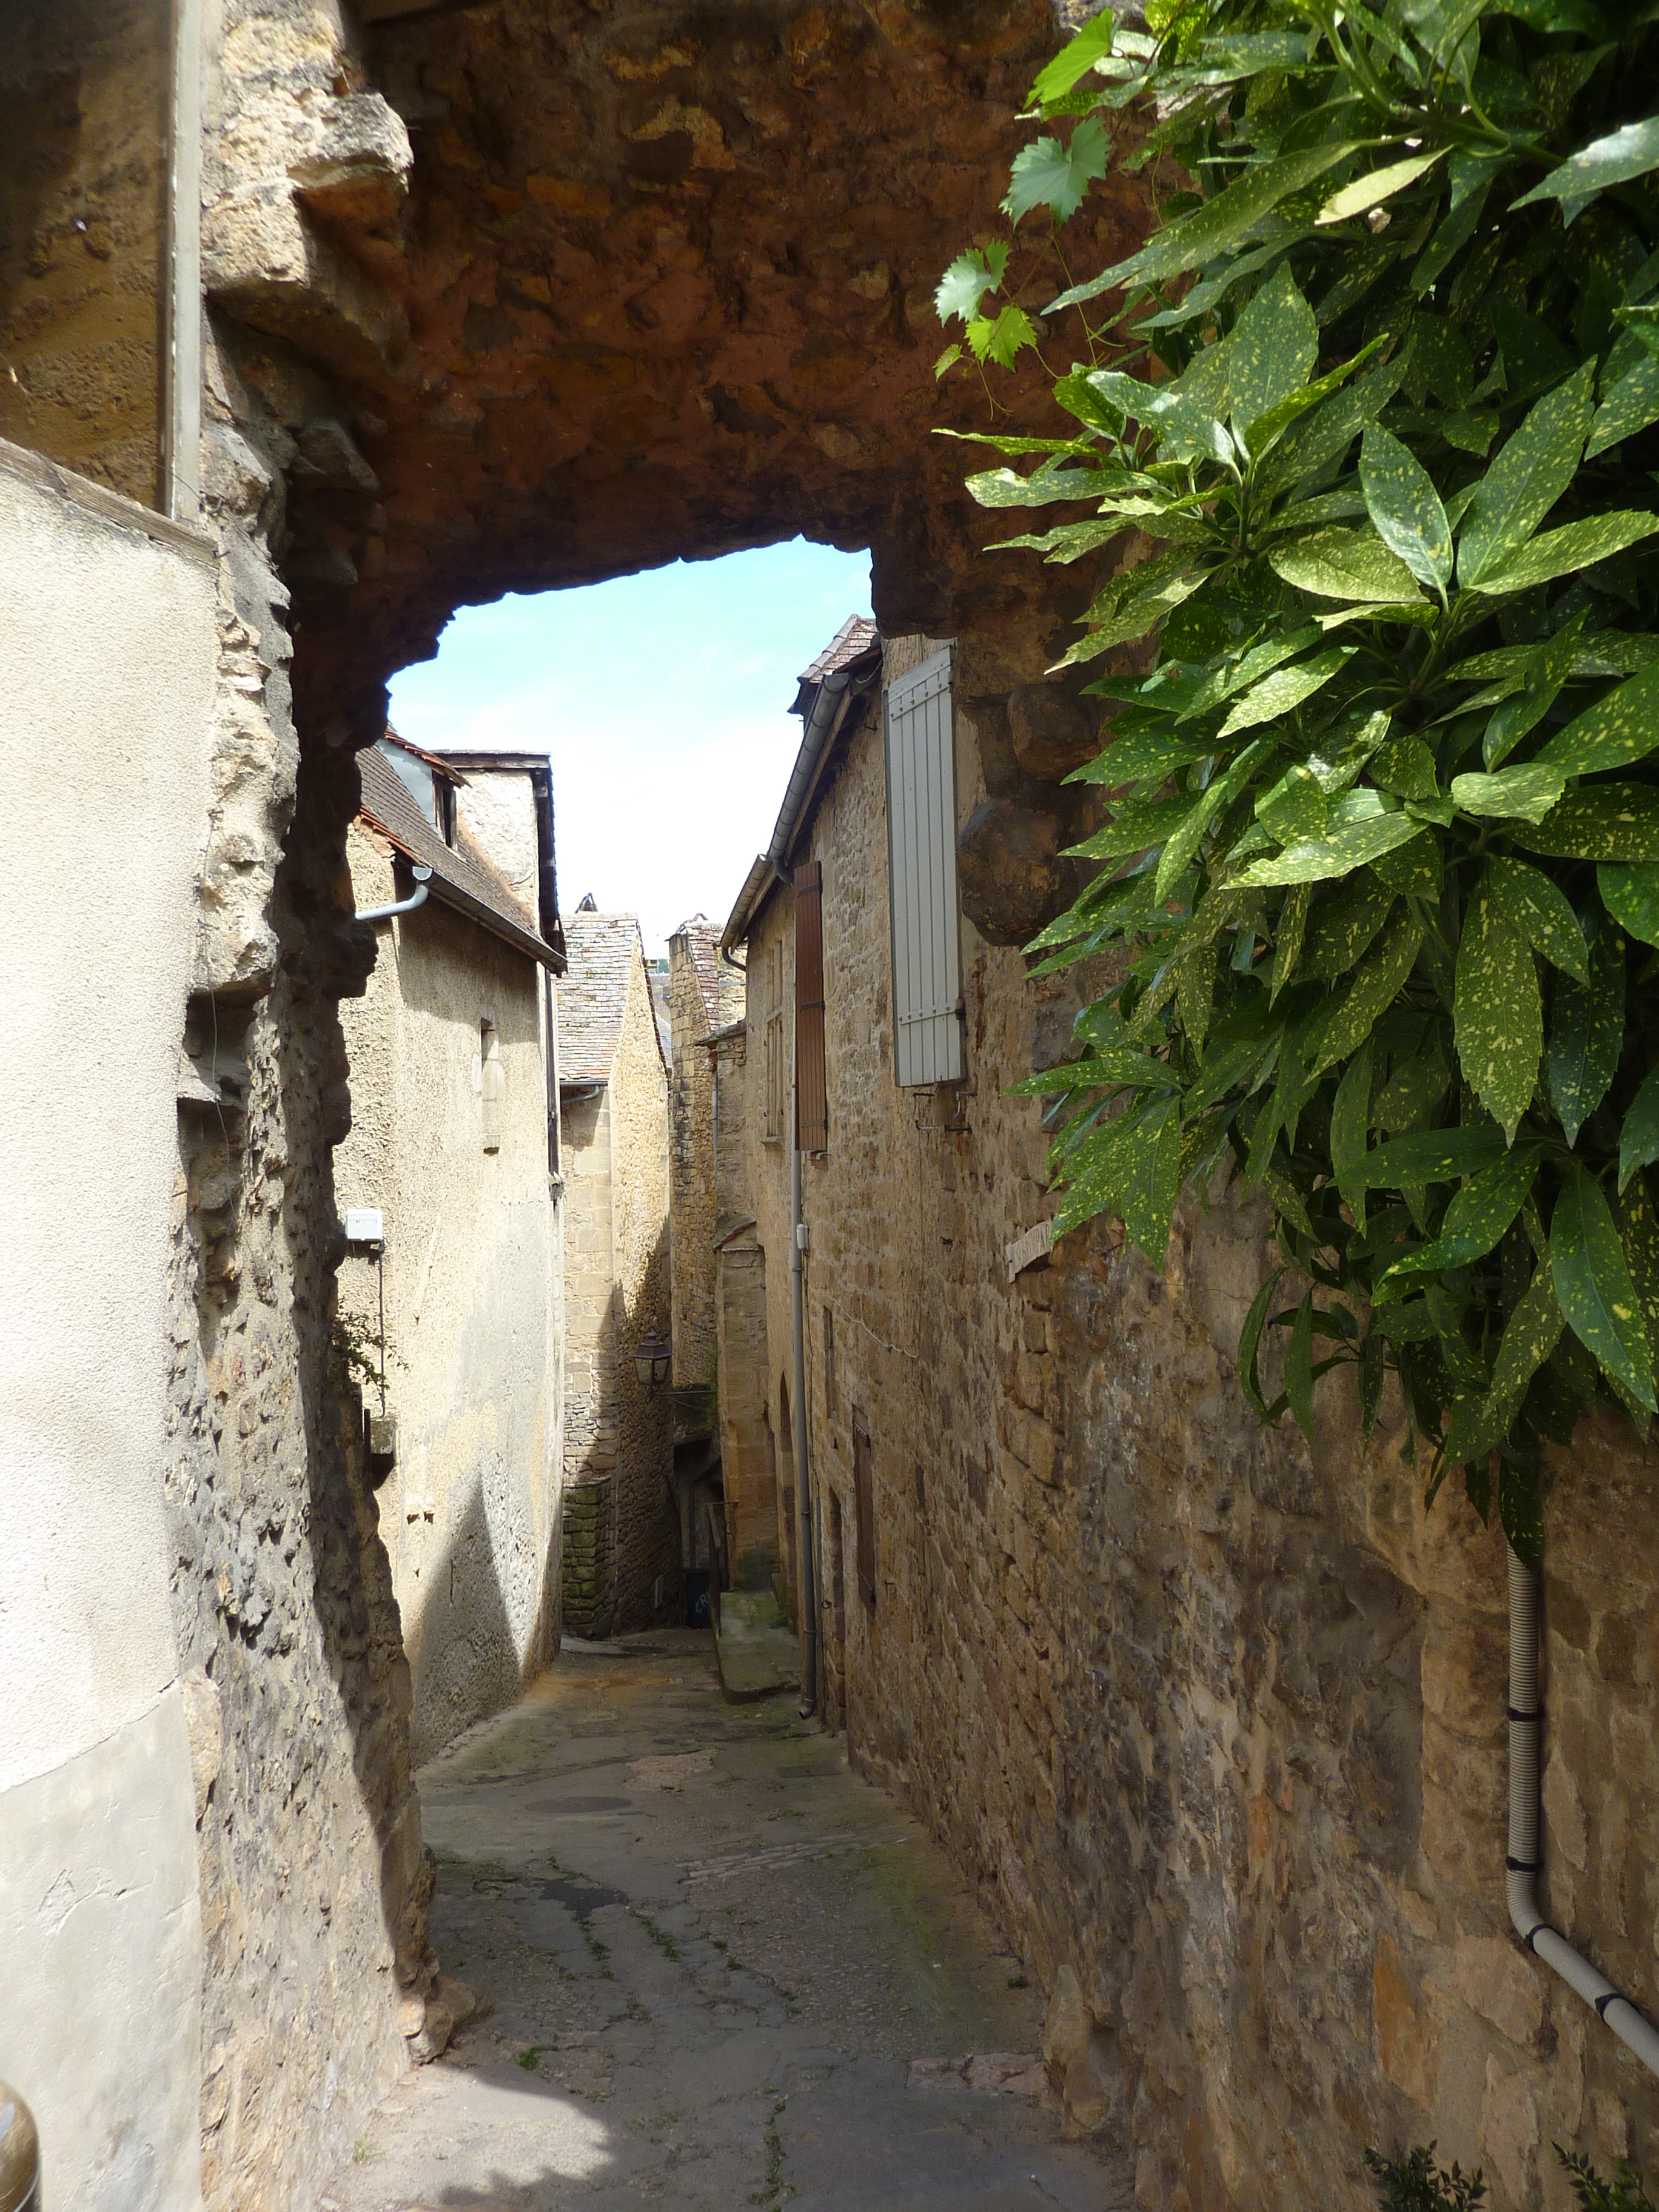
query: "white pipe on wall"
1524, 1863
422, 884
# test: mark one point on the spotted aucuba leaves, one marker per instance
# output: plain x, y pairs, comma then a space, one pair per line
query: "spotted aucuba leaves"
1383, 813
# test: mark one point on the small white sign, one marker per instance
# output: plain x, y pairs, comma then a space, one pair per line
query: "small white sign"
365, 1225
1036, 1244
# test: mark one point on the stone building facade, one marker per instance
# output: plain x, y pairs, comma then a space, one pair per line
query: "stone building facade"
622, 1559
705, 995
450, 1054
1216, 1718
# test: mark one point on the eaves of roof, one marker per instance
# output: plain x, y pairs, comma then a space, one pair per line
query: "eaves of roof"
801, 795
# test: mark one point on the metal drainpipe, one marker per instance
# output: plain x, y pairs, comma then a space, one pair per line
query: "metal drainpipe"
807, 1594
423, 883
1524, 1863
815, 730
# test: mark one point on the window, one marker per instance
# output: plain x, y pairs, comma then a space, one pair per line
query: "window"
830, 1405
812, 1089
776, 1065
865, 1506
922, 866
492, 1082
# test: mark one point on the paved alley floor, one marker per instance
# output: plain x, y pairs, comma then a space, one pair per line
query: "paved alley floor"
712, 1956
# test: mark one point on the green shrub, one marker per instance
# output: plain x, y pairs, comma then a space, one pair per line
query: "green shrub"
1592, 2194
1381, 864
1416, 2184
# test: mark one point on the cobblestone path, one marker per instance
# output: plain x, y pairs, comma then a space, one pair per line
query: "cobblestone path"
713, 1960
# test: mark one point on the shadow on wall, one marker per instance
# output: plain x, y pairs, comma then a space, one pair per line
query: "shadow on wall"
422, 982
639, 1566
466, 1661
356, 1606
647, 1555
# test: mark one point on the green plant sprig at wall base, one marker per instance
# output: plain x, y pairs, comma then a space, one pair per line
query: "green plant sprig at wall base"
1381, 861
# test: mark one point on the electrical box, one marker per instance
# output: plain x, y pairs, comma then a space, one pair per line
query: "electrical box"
365, 1225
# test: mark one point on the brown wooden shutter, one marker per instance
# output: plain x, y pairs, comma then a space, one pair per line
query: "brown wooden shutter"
811, 1089
864, 1502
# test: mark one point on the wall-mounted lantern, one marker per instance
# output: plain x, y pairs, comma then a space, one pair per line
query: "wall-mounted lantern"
653, 1357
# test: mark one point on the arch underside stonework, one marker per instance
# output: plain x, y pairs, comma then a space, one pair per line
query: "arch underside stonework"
561, 292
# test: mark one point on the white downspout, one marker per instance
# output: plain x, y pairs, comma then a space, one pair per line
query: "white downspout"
1524, 1863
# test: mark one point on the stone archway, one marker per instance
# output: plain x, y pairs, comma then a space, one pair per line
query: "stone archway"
565, 292
508, 295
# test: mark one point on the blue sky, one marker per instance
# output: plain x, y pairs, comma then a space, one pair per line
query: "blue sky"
663, 702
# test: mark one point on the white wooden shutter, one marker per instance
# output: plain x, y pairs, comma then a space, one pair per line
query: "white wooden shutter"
922, 872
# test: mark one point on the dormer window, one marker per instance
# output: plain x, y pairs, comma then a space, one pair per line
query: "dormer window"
429, 781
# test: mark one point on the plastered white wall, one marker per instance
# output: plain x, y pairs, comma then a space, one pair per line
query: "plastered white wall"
107, 657
473, 1297
497, 809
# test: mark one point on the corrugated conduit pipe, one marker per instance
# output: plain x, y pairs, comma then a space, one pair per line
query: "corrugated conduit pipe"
1524, 1863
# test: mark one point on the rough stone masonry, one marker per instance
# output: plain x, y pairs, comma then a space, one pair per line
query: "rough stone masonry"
497, 296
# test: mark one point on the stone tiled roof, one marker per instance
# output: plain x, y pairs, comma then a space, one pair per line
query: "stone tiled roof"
850, 642
461, 876
601, 949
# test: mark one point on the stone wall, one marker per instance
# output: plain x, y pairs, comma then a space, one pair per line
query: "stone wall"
313, 1884
589, 1568
84, 89
472, 1279
694, 1013
747, 1455
617, 1434
590, 1274
1215, 1718
647, 1534
762, 1375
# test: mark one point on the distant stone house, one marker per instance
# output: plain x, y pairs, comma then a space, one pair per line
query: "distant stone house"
705, 993
622, 1545
445, 1188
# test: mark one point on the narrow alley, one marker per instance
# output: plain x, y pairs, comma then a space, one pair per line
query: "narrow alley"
715, 1970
